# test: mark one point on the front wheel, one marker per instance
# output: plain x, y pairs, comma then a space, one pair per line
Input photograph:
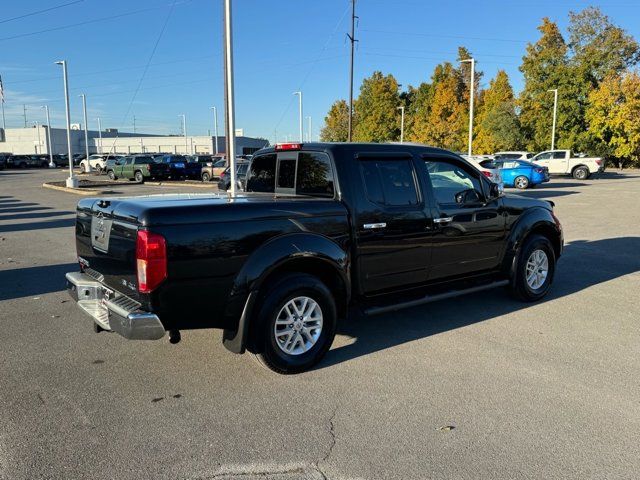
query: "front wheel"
535, 269
581, 173
206, 177
111, 174
521, 182
295, 325
83, 168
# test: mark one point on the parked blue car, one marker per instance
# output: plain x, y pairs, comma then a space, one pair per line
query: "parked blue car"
177, 165
520, 173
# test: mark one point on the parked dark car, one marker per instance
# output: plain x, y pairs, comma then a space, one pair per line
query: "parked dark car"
177, 166
241, 174
3, 160
322, 228
27, 161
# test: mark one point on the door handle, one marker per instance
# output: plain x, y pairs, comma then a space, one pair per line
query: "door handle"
373, 226
443, 220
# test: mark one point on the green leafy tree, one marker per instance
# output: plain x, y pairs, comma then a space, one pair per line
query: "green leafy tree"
377, 109
612, 116
336, 123
497, 124
545, 66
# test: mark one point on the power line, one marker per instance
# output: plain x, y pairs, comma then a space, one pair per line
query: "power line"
87, 22
440, 35
40, 11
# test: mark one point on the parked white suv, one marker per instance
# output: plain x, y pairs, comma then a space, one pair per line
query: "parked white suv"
560, 162
94, 162
513, 155
493, 174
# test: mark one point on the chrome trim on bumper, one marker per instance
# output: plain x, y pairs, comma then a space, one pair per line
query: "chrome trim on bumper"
119, 314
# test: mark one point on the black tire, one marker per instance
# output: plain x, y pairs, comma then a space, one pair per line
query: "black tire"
111, 174
521, 182
44, 165
263, 337
23, 165
138, 177
206, 177
580, 173
83, 169
519, 287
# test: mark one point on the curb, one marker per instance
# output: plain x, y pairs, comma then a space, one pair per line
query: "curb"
76, 191
182, 185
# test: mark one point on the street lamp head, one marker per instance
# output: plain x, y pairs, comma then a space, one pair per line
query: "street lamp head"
468, 60
60, 62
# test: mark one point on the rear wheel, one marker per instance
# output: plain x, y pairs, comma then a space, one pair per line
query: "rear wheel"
521, 182
138, 176
535, 269
296, 324
581, 173
206, 177
83, 168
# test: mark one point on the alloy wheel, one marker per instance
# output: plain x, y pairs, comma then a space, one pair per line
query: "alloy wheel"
298, 325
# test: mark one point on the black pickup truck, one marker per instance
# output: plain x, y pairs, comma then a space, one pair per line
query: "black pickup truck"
323, 230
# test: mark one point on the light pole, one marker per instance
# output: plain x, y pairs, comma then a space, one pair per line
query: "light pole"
86, 127
184, 130
215, 126
401, 123
50, 145
99, 135
72, 181
555, 113
230, 115
299, 94
471, 91
309, 132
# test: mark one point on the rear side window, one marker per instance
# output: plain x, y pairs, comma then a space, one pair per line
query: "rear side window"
390, 182
315, 176
262, 174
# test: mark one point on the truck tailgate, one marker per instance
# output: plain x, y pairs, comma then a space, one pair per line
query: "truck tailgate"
106, 245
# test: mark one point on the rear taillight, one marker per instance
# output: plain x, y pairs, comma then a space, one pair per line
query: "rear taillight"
598, 162
487, 174
151, 260
538, 170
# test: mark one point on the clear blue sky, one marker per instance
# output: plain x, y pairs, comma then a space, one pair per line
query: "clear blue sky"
280, 46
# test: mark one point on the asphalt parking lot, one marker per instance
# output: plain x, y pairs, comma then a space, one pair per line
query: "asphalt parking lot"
479, 387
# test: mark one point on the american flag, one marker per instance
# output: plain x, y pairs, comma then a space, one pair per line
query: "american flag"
1, 90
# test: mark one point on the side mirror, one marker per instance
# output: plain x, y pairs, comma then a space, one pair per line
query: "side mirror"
468, 197
495, 191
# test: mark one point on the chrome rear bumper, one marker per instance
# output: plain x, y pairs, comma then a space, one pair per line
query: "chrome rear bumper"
113, 311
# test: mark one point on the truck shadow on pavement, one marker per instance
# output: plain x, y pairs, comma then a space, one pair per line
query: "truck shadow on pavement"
582, 265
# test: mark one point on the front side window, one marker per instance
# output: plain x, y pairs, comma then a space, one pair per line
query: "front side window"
128, 161
389, 182
543, 156
451, 183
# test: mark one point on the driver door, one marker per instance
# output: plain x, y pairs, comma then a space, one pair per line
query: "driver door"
468, 233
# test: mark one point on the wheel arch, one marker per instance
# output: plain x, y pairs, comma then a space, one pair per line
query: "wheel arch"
535, 221
308, 253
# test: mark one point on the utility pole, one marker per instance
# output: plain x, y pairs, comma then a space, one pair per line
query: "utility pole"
230, 102
401, 123
215, 126
309, 132
86, 127
4, 120
24, 112
299, 94
99, 135
353, 40
37, 125
555, 113
72, 181
184, 131
50, 145
134, 124
472, 87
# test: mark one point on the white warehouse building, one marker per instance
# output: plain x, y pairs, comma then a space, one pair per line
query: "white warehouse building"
35, 140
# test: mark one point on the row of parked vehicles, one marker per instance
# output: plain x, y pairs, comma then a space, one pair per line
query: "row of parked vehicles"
9, 160
163, 166
524, 170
